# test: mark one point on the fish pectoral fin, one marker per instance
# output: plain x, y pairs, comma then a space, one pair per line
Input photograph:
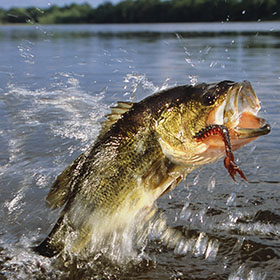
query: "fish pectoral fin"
64, 183
172, 185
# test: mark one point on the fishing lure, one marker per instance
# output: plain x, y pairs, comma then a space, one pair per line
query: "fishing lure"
221, 130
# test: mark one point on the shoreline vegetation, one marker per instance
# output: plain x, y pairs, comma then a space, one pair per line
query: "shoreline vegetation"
147, 11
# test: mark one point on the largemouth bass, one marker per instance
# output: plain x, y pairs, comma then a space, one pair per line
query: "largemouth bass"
143, 151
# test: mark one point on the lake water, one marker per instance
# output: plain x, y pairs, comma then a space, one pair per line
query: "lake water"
57, 82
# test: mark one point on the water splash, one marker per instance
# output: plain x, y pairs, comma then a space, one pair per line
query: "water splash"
193, 79
25, 51
212, 183
198, 246
117, 251
61, 118
231, 199
18, 262
139, 85
138, 82
242, 272
72, 112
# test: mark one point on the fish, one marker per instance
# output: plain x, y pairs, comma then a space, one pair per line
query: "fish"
143, 151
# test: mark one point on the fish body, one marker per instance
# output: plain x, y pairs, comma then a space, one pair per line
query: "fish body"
144, 150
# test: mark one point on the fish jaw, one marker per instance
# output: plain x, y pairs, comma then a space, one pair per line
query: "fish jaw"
238, 112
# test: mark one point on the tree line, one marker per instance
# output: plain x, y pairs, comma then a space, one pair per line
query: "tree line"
148, 11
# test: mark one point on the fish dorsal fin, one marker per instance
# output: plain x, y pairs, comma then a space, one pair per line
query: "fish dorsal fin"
116, 113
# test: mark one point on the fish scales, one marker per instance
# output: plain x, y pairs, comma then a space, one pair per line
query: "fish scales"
144, 149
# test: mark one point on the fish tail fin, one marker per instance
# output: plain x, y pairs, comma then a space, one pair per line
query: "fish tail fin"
52, 245
46, 249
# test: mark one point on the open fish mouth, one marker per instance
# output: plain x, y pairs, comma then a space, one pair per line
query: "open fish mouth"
233, 123
238, 112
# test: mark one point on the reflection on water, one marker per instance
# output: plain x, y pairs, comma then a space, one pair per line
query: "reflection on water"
57, 82
139, 30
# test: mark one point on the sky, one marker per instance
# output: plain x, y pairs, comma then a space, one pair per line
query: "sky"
6, 4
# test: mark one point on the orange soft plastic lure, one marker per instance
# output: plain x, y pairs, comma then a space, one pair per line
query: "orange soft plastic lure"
221, 130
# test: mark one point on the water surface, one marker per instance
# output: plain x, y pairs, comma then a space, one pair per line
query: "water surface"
57, 82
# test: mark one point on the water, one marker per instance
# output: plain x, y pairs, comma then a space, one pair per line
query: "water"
57, 82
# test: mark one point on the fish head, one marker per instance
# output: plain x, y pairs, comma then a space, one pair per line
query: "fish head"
230, 104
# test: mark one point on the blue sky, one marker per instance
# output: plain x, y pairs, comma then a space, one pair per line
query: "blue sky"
6, 4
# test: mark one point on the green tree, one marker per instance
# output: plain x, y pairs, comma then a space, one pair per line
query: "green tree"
16, 15
128, 11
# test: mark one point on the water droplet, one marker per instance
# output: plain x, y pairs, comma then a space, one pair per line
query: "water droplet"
211, 183
212, 250
193, 79
200, 245
189, 61
16, 202
185, 213
207, 50
184, 246
231, 199
165, 84
213, 64
238, 244
39, 10
201, 215
196, 180
179, 36
187, 51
